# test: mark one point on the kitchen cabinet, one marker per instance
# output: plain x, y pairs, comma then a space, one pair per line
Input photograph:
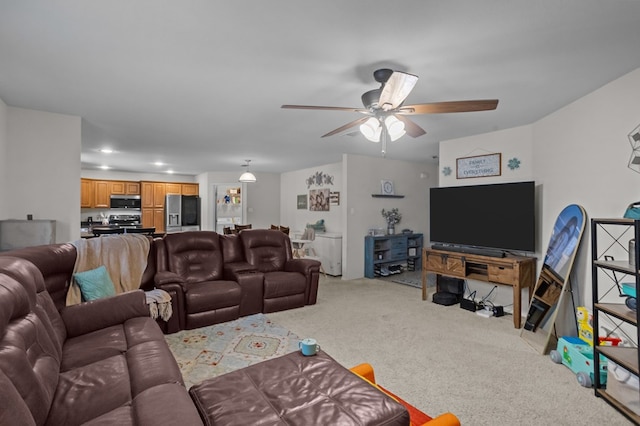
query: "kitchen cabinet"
173, 188
97, 193
147, 218
117, 187
152, 195
132, 188
146, 192
190, 189
86, 193
158, 219
101, 191
159, 192
153, 198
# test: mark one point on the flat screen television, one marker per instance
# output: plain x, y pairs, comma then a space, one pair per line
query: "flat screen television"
498, 217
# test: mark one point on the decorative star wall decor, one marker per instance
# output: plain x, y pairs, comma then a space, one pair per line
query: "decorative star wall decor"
514, 163
319, 179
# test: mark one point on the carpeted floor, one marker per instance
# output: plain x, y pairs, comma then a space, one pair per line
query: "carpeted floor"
211, 351
412, 279
438, 358
443, 358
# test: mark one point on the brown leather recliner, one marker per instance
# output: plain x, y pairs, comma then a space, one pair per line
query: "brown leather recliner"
288, 282
236, 268
190, 266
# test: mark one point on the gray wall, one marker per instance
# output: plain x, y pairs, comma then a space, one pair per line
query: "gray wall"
42, 166
4, 143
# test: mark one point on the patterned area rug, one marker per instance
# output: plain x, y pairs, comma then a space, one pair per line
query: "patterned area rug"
211, 351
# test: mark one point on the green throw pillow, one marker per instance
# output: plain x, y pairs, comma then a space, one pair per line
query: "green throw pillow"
95, 284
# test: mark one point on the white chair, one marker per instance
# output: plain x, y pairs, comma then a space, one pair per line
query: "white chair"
303, 247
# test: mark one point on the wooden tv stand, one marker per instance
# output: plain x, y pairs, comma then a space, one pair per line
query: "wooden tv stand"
516, 271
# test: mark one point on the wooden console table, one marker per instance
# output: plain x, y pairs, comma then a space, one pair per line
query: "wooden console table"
516, 271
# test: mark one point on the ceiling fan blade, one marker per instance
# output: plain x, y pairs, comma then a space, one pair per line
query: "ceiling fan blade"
410, 127
452, 106
396, 90
346, 126
330, 108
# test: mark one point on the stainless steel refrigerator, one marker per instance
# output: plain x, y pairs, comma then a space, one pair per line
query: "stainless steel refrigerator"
182, 213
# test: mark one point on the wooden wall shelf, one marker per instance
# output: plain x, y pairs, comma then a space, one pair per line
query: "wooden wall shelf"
386, 196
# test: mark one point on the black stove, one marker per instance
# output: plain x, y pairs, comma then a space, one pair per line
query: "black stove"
125, 220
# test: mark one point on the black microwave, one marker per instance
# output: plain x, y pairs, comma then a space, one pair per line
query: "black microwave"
132, 202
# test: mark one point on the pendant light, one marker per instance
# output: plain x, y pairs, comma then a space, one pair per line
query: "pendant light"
247, 176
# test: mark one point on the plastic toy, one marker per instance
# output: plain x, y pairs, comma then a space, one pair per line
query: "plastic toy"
577, 352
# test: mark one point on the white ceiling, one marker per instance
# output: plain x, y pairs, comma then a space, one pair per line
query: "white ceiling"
199, 84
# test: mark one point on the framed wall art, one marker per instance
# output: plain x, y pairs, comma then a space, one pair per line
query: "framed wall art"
479, 166
302, 202
319, 200
386, 187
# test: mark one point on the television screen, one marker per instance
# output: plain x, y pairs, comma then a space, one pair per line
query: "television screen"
496, 216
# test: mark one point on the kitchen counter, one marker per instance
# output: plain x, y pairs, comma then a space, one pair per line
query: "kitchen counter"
87, 232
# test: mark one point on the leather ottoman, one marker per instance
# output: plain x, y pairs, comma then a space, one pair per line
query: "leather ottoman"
295, 390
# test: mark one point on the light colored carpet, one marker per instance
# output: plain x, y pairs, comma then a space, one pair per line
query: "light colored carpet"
443, 358
413, 279
211, 351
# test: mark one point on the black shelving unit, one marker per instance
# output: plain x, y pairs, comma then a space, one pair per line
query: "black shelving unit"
618, 232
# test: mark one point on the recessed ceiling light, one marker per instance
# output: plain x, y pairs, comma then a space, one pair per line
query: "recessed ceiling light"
170, 172
105, 167
158, 163
106, 151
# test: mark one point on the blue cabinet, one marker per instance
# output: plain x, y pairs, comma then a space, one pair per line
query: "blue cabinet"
381, 253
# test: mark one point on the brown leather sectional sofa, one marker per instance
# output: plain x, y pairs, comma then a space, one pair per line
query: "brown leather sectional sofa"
106, 362
100, 362
211, 278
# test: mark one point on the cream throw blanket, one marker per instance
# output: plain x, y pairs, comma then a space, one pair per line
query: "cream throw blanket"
124, 256
159, 302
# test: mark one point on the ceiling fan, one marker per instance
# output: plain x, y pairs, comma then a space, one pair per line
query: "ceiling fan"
385, 114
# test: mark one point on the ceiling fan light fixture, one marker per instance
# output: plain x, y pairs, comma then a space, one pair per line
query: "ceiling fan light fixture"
397, 135
247, 177
371, 129
394, 126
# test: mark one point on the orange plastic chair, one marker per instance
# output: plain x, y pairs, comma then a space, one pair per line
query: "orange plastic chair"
417, 417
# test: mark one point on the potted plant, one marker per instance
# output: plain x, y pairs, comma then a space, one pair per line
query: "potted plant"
392, 217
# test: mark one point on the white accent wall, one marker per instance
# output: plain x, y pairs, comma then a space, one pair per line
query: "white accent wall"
581, 154
356, 178
4, 144
512, 143
576, 155
300, 182
43, 169
361, 178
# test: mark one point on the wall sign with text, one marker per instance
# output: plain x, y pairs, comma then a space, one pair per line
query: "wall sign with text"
479, 166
